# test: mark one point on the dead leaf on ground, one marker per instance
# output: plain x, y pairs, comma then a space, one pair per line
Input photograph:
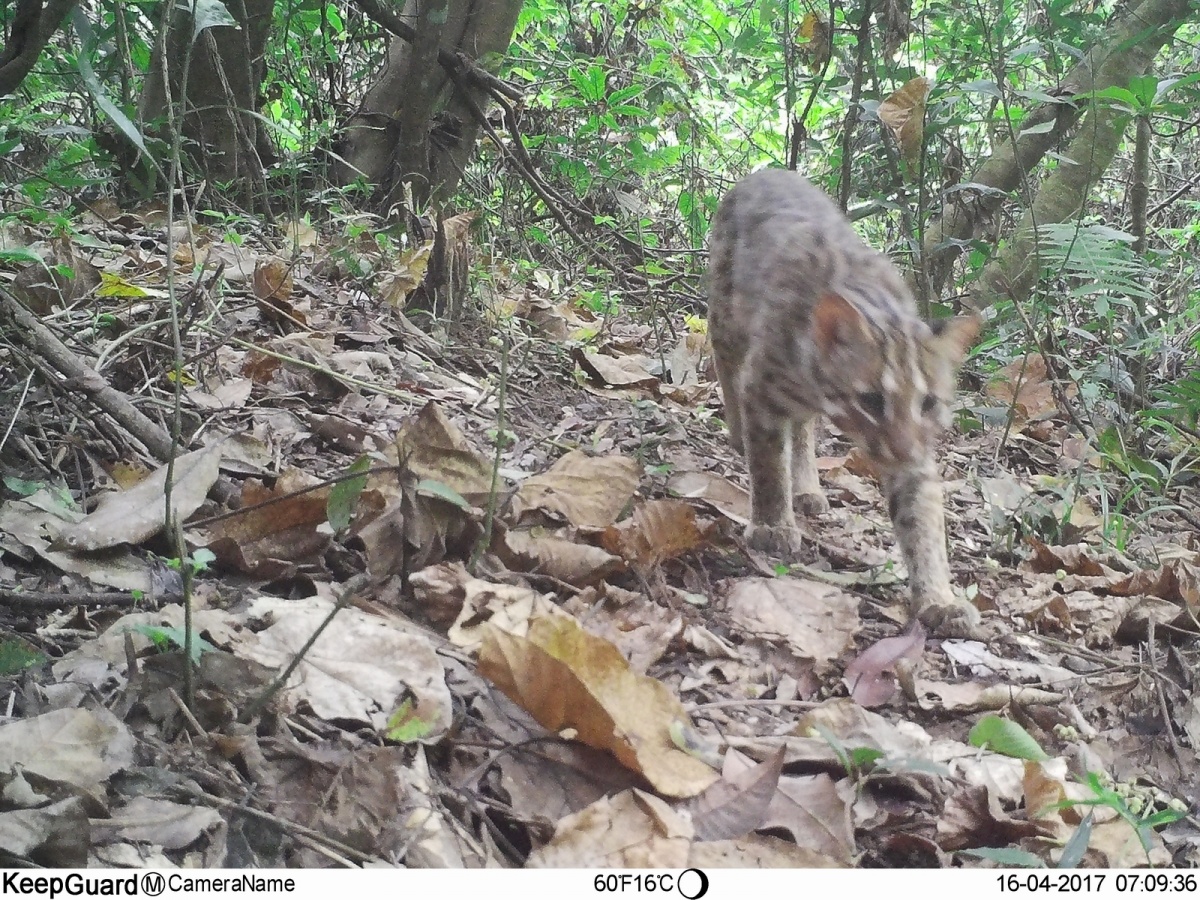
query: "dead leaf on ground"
658, 530
569, 679
719, 493
815, 621
546, 554
587, 491
870, 676
737, 804
79, 748
132, 516
361, 668
631, 830
631, 371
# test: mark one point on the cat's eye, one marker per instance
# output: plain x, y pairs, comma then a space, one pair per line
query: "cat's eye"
928, 404
871, 403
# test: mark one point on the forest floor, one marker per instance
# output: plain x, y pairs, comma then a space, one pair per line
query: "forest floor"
558, 653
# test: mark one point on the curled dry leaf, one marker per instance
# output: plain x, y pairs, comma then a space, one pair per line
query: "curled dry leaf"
589, 492
737, 804
719, 493
27, 522
815, 621
129, 517
870, 676
433, 448
361, 668
569, 561
631, 371
631, 830
657, 531
904, 113
567, 678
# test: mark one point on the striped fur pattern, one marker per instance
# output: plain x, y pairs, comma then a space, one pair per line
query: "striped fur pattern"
807, 320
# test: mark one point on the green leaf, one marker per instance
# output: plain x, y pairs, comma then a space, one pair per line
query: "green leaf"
1006, 856
1073, 852
434, 488
165, 635
84, 29
406, 726
17, 655
1006, 737
210, 14
343, 498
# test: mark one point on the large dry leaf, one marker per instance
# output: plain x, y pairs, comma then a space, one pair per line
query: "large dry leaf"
816, 621
27, 525
129, 517
1024, 386
658, 530
720, 493
631, 830
904, 113
432, 447
57, 835
588, 491
569, 561
816, 814
737, 804
567, 678
618, 371
870, 676
169, 825
79, 747
360, 668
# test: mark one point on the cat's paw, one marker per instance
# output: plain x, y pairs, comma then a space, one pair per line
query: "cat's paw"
778, 540
949, 616
812, 504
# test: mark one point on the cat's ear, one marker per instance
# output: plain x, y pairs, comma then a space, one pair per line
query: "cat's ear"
836, 322
954, 337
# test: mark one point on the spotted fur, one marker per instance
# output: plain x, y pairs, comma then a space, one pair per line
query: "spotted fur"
807, 320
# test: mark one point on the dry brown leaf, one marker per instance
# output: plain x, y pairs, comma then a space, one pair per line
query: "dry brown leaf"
569, 561
719, 493
658, 530
129, 517
433, 447
631, 830
904, 113
361, 667
816, 814
816, 39
737, 804
587, 491
618, 371
407, 275
273, 279
815, 621
870, 676
569, 679
1024, 386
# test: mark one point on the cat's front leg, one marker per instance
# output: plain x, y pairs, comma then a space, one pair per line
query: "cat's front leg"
806, 487
768, 444
916, 507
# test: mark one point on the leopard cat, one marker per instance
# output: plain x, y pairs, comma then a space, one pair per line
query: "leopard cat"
807, 320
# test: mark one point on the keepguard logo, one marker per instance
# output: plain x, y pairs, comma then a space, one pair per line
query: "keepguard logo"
13, 884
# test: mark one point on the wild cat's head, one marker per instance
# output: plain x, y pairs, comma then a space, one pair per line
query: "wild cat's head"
889, 384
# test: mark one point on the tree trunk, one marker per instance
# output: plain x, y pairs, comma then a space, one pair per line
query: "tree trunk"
418, 124
226, 70
1127, 49
415, 124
